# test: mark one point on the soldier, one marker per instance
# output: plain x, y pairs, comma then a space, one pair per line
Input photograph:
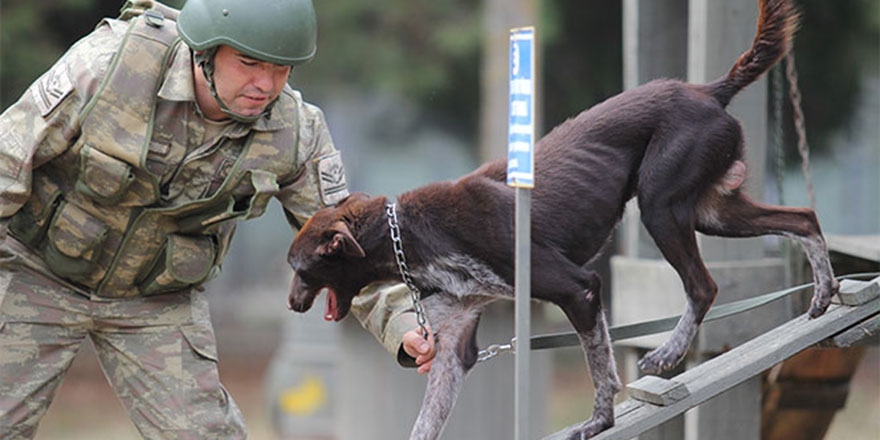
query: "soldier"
123, 170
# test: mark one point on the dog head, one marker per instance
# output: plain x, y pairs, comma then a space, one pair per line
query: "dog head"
326, 255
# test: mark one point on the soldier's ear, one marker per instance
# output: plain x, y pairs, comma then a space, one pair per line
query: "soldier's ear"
341, 242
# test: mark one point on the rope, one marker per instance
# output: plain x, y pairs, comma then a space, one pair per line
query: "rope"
799, 125
777, 83
557, 340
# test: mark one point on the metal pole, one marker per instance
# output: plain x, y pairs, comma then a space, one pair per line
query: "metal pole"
523, 311
521, 175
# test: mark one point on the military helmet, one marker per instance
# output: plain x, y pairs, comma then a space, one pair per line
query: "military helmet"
277, 31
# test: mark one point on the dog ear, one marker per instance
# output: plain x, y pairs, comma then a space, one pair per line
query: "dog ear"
342, 242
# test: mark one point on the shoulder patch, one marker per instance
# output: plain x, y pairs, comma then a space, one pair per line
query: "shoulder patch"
52, 88
331, 179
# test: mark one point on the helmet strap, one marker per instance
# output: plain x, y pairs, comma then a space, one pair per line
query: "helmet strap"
205, 60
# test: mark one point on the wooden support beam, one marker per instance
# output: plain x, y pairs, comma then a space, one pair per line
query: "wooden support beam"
722, 373
860, 335
802, 394
657, 390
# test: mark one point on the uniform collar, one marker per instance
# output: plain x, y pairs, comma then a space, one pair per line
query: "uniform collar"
178, 86
178, 83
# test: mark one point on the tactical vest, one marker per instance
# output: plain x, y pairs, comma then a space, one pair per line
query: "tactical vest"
96, 214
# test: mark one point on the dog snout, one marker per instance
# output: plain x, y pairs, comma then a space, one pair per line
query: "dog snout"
299, 299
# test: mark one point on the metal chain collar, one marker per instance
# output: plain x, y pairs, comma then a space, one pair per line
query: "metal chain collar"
414, 292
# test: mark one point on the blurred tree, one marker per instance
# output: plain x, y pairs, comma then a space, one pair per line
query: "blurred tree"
583, 56
34, 34
426, 51
838, 43
429, 52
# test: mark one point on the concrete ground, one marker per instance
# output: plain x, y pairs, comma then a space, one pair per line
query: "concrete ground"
86, 409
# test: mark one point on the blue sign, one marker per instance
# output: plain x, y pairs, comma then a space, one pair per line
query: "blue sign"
521, 123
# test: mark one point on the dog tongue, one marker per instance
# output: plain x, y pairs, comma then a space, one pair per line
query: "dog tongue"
330, 310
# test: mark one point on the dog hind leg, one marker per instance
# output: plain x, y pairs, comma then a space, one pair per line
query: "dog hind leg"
735, 215
678, 168
672, 226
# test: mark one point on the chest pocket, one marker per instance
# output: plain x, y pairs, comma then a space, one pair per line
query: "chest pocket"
110, 181
73, 240
183, 262
248, 200
102, 178
30, 223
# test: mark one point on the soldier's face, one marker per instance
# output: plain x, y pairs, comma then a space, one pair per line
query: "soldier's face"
247, 86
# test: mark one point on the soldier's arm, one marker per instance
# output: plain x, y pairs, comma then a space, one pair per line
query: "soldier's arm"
44, 121
385, 310
382, 309
320, 178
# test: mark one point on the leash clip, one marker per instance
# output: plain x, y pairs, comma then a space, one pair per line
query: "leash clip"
495, 350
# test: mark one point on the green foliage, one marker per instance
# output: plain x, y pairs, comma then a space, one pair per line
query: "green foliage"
33, 35
583, 60
839, 41
430, 52
426, 51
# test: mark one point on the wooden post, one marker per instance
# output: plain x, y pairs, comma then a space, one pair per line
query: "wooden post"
654, 42
499, 16
717, 32
720, 30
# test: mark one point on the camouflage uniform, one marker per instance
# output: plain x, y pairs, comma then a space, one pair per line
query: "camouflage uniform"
118, 201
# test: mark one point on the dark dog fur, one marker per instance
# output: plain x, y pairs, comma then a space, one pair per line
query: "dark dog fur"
669, 143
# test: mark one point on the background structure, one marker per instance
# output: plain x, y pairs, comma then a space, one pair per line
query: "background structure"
408, 91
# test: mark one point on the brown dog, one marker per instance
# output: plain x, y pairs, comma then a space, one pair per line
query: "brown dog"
670, 143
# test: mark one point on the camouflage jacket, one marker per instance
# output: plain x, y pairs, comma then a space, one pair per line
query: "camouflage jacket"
114, 212
118, 188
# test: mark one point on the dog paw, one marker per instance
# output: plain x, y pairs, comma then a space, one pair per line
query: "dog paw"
590, 428
659, 360
822, 298
818, 307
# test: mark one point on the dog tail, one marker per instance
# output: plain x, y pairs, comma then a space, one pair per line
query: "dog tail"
777, 23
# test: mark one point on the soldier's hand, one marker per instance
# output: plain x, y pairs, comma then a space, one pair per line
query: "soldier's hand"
420, 348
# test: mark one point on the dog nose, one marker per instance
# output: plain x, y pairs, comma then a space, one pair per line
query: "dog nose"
294, 305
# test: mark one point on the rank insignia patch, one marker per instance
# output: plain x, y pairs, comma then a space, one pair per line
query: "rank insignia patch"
331, 179
51, 89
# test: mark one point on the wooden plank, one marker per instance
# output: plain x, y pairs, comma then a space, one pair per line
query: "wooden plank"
863, 246
722, 373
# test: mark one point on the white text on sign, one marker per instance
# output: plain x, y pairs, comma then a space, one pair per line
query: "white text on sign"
519, 108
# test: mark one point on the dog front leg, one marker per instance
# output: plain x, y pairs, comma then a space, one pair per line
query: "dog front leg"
597, 345
456, 354
586, 314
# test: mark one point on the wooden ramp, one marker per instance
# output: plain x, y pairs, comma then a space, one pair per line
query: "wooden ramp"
859, 311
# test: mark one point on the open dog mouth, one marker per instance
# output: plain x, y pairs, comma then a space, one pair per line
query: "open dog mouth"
331, 309
302, 298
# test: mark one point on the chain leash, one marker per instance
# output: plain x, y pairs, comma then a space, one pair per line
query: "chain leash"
416, 295
496, 349
414, 292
